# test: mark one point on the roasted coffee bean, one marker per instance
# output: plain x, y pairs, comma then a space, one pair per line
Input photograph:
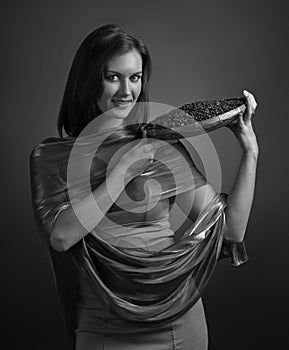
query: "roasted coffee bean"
199, 116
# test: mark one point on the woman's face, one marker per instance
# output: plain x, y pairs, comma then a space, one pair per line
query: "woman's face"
122, 84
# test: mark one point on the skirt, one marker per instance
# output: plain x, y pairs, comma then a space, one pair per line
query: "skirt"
189, 332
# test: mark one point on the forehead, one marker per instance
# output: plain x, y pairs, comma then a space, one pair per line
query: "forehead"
128, 62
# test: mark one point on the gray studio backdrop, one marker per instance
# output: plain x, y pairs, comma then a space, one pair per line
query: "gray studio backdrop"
200, 50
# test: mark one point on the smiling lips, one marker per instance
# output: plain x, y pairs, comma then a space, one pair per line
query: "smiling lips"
121, 102
125, 101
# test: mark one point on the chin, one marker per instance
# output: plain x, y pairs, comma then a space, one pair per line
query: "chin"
120, 114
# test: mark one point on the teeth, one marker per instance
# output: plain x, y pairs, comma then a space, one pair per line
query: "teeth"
119, 101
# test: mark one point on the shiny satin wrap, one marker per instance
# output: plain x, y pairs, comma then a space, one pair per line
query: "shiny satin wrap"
134, 283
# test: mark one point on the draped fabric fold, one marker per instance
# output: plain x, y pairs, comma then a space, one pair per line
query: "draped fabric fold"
156, 286
132, 281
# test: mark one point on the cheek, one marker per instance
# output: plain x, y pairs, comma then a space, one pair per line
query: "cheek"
103, 101
109, 90
138, 90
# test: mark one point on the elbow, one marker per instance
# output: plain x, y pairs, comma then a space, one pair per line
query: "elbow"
59, 243
233, 235
234, 229
234, 238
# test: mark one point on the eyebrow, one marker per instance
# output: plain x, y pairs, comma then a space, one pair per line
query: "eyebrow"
112, 71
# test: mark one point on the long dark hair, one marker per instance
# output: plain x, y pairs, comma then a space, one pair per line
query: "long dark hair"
84, 84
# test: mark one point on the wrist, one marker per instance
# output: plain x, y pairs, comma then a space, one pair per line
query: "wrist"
254, 153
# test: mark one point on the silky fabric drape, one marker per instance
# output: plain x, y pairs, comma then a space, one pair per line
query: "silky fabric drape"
156, 286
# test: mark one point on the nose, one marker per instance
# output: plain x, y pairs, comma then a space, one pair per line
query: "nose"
125, 89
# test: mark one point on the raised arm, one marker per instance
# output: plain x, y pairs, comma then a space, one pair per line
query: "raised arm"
241, 196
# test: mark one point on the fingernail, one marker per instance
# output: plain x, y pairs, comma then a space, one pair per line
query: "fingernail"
245, 92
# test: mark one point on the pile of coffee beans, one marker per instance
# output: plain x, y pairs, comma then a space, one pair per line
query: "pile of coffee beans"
202, 110
196, 115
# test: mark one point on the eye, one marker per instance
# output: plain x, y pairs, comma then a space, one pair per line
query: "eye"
112, 77
135, 78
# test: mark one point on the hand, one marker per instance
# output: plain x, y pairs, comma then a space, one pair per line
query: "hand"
243, 129
140, 156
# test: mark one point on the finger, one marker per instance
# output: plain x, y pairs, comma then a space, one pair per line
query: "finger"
251, 99
241, 119
144, 144
251, 105
239, 123
172, 141
151, 142
152, 145
158, 143
248, 110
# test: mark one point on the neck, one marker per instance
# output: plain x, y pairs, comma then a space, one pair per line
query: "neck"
106, 122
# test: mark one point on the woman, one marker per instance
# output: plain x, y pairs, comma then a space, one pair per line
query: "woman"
138, 287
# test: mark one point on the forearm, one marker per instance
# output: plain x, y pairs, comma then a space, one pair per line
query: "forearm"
240, 198
76, 222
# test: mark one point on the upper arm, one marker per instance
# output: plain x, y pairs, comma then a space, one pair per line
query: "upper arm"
49, 197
